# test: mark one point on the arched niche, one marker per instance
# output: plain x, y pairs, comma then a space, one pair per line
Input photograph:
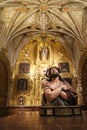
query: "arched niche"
34, 58
5, 78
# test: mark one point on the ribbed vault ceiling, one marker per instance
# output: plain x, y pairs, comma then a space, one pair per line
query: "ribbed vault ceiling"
61, 18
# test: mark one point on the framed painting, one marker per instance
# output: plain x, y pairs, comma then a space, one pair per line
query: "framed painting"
22, 84
64, 67
24, 68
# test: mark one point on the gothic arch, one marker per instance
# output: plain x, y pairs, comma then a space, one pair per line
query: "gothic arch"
5, 79
82, 70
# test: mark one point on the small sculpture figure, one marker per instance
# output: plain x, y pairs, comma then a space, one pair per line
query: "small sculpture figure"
21, 100
44, 53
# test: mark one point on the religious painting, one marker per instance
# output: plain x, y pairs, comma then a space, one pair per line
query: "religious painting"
22, 84
64, 67
24, 68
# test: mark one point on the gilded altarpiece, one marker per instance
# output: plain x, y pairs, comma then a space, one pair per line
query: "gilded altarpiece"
39, 54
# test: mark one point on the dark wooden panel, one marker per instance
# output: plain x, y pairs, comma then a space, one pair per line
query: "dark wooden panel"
19, 109
60, 110
84, 81
4, 111
3, 84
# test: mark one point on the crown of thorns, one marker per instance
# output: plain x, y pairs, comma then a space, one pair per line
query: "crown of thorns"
48, 72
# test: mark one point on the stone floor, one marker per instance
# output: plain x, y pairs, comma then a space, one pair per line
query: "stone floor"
33, 121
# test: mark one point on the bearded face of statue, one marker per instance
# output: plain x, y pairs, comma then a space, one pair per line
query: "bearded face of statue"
54, 73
